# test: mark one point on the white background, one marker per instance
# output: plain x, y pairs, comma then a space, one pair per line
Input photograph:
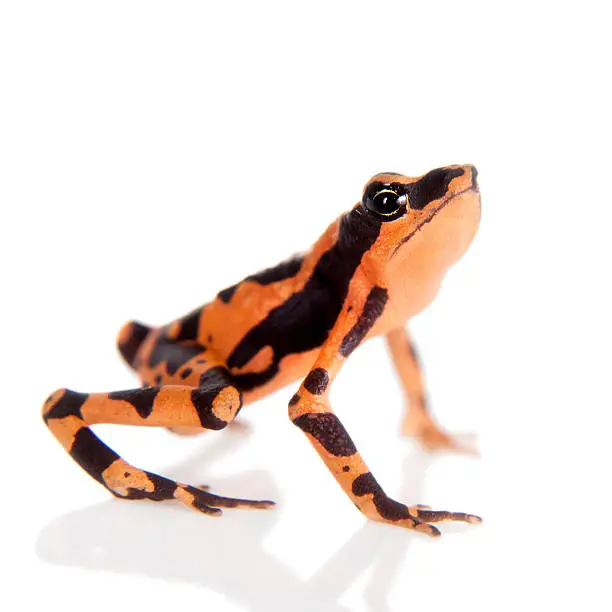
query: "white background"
153, 153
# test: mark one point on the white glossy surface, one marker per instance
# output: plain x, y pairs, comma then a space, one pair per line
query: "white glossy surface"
154, 153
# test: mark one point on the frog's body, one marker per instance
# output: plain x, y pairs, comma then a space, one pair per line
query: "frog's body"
371, 271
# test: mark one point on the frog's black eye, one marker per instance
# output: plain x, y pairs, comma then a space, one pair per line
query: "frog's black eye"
384, 202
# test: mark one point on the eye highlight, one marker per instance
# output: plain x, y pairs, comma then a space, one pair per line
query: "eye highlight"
384, 202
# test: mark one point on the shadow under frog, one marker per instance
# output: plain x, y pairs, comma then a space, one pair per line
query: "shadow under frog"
221, 554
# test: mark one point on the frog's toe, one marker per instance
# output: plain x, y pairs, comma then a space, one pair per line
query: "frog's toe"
209, 503
427, 515
427, 529
420, 518
191, 496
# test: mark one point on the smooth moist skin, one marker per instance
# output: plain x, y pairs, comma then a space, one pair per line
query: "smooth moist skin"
371, 270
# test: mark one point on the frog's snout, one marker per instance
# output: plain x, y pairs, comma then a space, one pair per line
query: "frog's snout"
474, 172
468, 179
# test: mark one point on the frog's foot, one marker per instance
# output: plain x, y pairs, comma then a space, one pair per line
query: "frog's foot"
421, 517
375, 504
127, 482
209, 503
431, 437
417, 518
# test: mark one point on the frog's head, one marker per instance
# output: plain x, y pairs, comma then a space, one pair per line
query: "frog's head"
428, 221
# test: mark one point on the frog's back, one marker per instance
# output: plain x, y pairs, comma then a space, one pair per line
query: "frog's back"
265, 329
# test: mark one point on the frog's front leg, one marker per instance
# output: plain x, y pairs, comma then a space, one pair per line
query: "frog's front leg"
418, 421
311, 411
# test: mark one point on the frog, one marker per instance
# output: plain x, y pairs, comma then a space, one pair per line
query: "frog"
372, 270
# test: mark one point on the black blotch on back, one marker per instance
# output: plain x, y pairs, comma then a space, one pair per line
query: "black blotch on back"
304, 321
388, 508
227, 294
327, 429
92, 454
317, 380
68, 405
284, 270
373, 308
430, 187
141, 399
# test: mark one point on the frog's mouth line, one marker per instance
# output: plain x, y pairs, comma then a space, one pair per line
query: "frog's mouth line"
430, 216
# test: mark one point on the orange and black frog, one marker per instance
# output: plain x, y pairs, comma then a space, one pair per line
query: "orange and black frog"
372, 269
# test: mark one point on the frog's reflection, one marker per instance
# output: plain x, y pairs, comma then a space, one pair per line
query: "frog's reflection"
227, 555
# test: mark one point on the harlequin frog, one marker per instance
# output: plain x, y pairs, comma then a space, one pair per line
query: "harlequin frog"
372, 269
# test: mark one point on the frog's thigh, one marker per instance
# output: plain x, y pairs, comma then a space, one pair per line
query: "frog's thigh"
185, 365
216, 376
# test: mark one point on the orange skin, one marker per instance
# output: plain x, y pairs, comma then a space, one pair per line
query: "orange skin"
372, 270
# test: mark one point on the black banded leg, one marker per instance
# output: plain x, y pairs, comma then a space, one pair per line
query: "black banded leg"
311, 411
337, 450
69, 415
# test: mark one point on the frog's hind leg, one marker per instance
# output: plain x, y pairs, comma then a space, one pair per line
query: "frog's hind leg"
130, 339
166, 361
212, 405
419, 421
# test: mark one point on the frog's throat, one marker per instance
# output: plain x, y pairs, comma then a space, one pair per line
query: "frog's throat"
430, 216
